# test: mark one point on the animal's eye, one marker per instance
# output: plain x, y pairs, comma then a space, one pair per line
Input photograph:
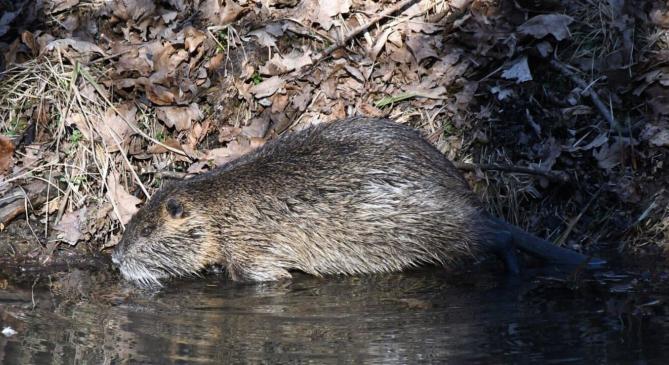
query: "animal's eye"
147, 230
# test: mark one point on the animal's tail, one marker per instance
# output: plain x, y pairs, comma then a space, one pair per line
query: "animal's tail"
545, 250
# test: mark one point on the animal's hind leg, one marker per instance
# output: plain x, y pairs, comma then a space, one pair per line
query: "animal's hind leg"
502, 246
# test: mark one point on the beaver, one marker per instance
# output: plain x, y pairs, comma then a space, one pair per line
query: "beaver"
354, 196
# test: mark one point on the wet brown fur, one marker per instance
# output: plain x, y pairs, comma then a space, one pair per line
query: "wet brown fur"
349, 197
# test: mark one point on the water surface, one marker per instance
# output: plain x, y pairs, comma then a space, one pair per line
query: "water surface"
426, 316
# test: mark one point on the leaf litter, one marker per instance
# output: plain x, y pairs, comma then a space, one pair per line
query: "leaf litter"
105, 100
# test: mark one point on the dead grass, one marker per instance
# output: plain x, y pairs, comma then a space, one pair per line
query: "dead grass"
62, 100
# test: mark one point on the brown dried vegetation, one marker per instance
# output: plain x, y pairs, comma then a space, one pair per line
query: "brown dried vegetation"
100, 101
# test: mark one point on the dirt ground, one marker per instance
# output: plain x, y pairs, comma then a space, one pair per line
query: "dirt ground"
556, 111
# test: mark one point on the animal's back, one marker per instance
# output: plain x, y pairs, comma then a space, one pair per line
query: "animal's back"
355, 196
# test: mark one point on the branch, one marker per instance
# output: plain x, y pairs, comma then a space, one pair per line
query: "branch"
559, 177
362, 28
587, 89
15, 202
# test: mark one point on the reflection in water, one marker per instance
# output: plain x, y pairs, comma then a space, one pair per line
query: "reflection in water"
415, 317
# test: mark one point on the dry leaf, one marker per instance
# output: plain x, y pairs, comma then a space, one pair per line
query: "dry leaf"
263, 38
227, 133
138, 59
279, 102
421, 47
543, 25
427, 89
157, 149
221, 16
518, 71
79, 46
115, 127
166, 62
193, 38
124, 202
70, 226
232, 151
257, 128
267, 87
329, 9
609, 155
279, 65
381, 40
132, 9
160, 95
56, 6
180, 118
302, 100
655, 135
6, 154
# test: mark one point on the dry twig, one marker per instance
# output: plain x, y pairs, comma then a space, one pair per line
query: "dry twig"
357, 31
553, 176
606, 112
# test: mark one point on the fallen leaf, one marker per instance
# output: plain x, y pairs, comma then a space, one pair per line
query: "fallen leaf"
302, 100
180, 118
329, 9
263, 38
221, 16
379, 43
157, 149
656, 135
658, 98
124, 202
160, 95
543, 25
422, 47
139, 59
231, 151
193, 38
267, 87
70, 226
502, 93
228, 133
355, 72
610, 155
426, 89
257, 128
279, 102
6, 154
132, 9
166, 63
278, 65
518, 71
115, 126
79, 46
56, 6
338, 111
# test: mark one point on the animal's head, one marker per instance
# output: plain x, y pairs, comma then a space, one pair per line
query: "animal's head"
169, 236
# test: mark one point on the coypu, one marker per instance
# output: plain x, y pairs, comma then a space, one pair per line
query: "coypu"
354, 196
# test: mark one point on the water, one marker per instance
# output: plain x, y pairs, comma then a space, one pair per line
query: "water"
425, 316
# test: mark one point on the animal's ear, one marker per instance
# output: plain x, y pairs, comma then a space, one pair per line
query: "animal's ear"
175, 208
